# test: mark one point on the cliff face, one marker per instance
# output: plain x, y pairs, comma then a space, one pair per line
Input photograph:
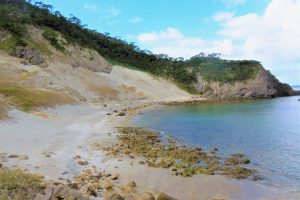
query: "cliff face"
265, 85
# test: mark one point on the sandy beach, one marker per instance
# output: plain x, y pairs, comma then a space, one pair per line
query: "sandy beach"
53, 137
47, 141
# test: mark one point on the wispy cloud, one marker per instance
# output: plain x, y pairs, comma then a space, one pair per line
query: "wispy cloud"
222, 16
92, 7
234, 2
135, 20
174, 43
110, 16
113, 11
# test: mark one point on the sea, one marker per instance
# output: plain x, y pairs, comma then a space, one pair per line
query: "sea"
266, 131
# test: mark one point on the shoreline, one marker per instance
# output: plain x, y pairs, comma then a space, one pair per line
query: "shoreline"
241, 187
94, 125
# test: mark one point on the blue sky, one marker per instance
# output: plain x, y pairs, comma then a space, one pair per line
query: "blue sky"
266, 30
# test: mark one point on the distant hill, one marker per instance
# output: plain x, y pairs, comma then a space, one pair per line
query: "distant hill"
207, 75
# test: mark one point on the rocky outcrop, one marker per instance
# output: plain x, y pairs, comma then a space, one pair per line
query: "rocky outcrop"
265, 85
55, 192
32, 56
89, 59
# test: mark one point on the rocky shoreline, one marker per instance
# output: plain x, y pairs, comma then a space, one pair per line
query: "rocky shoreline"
127, 175
181, 160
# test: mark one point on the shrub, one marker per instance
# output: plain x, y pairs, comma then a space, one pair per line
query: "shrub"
17, 185
53, 39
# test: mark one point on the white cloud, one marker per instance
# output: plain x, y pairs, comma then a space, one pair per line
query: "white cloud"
222, 16
135, 20
92, 7
273, 38
174, 43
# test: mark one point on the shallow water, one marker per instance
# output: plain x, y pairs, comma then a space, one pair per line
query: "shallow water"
266, 131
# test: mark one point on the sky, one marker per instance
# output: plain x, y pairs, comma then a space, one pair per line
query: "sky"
263, 30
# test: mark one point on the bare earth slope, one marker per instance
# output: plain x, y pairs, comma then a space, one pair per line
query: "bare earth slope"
84, 85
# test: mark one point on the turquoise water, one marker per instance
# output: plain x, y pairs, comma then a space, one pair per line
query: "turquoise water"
267, 131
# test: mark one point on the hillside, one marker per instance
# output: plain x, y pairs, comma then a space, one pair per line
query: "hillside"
17, 16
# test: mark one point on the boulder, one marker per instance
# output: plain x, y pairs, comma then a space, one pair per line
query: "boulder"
114, 176
132, 184
163, 196
148, 196
115, 196
54, 192
33, 56
82, 162
108, 186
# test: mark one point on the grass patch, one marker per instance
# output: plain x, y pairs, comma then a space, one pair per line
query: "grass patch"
40, 46
9, 44
29, 99
27, 75
114, 62
52, 37
19, 185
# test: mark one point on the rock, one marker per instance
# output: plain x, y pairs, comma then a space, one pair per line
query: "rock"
63, 192
115, 196
163, 196
114, 176
108, 186
245, 161
33, 56
132, 184
24, 157
90, 190
74, 186
82, 162
142, 162
13, 156
88, 59
148, 196
65, 173
264, 85
46, 194
121, 114
107, 175
82, 99
77, 157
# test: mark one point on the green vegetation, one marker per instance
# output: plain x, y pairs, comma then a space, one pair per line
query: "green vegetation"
28, 99
53, 38
19, 185
9, 44
16, 14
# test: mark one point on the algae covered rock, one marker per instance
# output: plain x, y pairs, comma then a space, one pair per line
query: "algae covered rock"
163, 196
